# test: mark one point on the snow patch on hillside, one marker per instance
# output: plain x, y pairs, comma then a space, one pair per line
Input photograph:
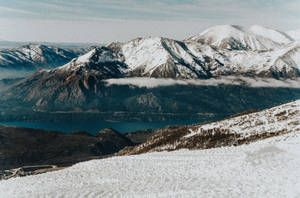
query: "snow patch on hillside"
86, 57
283, 118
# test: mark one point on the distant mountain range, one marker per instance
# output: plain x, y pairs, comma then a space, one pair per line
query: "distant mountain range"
216, 53
26, 59
35, 56
219, 51
13, 44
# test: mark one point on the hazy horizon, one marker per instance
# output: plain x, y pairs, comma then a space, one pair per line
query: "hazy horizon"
105, 21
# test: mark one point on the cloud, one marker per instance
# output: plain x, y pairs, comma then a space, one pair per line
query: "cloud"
14, 10
229, 80
110, 20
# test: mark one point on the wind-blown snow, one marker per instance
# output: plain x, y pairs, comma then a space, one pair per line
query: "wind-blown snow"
270, 168
229, 80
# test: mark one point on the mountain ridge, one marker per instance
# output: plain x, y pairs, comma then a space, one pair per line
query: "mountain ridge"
81, 84
34, 56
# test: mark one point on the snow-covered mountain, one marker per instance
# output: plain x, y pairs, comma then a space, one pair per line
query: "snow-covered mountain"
266, 168
295, 34
35, 56
241, 129
274, 35
190, 59
253, 51
233, 37
219, 51
162, 57
99, 61
282, 62
82, 81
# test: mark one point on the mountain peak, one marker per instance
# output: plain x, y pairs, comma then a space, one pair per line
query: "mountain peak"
235, 37
100, 61
98, 55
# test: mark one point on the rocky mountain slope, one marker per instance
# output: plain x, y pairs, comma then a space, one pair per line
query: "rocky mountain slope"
235, 131
24, 146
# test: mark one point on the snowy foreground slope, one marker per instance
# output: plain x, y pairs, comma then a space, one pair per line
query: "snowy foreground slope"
266, 168
270, 168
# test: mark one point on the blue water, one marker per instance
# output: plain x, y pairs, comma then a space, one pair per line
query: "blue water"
94, 127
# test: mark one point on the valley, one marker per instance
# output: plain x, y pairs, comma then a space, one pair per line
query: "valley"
228, 94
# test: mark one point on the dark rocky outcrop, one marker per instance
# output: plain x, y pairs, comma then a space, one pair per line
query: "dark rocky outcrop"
139, 137
111, 140
27, 147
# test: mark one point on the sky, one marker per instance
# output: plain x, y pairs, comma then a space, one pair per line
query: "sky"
105, 21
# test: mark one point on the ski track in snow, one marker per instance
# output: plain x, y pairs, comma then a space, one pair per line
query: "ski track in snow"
270, 168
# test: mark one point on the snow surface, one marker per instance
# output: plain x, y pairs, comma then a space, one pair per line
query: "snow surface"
86, 57
272, 34
281, 118
295, 34
270, 168
147, 52
253, 38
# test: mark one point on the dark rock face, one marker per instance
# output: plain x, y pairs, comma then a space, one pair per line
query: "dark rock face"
112, 140
27, 147
139, 137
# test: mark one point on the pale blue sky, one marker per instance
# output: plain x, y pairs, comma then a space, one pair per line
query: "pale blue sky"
111, 20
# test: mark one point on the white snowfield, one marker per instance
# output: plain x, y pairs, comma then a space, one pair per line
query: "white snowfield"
267, 168
233, 36
270, 168
281, 118
295, 34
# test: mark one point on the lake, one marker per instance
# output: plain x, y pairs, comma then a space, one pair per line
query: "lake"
94, 127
